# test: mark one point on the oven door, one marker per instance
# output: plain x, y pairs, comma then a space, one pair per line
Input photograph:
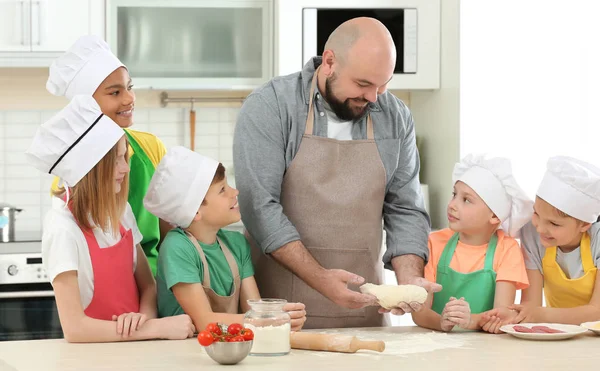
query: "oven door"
28, 312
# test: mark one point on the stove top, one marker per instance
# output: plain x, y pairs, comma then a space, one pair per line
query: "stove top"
25, 243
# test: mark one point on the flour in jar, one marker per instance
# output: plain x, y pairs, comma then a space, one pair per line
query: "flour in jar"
270, 340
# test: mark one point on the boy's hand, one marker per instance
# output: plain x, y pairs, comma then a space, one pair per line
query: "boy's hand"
298, 314
446, 324
457, 311
128, 323
178, 327
492, 320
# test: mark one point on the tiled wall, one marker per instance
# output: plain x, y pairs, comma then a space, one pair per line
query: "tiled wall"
25, 187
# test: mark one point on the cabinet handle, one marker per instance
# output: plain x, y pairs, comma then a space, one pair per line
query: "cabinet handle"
22, 3
39, 21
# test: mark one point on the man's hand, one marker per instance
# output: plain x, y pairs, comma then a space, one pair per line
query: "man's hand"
431, 287
409, 271
335, 288
412, 307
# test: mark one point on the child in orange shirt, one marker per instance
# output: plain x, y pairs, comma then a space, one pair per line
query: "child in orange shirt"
479, 266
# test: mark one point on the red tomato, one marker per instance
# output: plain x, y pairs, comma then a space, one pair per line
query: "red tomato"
234, 328
247, 334
214, 328
236, 339
205, 338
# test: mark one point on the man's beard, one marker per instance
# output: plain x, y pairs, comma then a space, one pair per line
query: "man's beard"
342, 110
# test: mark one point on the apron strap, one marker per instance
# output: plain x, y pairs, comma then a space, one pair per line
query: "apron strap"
310, 119
550, 254
490, 253
206, 280
585, 250
447, 254
370, 134
235, 272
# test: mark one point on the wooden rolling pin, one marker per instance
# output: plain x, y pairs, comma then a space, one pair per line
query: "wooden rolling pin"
332, 343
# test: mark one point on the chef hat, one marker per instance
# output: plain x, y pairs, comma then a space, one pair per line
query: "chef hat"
179, 185
573, 187
493, 181
74, 140
82, 68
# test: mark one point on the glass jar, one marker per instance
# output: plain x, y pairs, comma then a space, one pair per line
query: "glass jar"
271, 326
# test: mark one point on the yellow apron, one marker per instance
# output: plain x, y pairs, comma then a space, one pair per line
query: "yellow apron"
562, 292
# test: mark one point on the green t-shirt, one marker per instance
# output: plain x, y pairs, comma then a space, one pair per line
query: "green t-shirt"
179, 262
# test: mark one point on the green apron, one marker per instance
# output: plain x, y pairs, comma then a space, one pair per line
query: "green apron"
478, 288
140, 175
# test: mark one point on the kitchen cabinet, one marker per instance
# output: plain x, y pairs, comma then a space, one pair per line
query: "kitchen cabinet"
34, 32
191, 45
14, 25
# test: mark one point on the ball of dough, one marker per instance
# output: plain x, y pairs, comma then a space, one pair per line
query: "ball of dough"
389, 296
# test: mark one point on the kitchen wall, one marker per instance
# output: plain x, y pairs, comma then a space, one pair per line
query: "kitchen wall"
26, 188
436, 115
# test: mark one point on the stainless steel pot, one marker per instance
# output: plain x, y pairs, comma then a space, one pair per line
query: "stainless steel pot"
7, 222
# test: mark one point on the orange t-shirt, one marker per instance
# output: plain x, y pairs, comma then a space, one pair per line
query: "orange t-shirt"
509, 263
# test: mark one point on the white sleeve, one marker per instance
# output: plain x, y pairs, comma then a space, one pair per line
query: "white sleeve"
129, 222
594, 232
532, 247
60, 252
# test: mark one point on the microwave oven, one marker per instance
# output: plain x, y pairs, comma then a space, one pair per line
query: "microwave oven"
302, 27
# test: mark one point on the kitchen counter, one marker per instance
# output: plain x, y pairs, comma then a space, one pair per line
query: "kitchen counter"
407, 348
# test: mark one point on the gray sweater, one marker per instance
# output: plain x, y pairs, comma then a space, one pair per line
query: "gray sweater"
267, 137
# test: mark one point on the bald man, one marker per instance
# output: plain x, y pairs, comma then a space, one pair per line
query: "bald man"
323, 159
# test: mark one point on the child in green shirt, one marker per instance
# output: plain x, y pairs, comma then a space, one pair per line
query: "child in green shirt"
202, 271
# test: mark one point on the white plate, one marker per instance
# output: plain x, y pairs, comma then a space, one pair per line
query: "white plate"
592, 326
569, 331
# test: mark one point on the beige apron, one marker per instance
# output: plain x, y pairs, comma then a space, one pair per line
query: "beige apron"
333, 193
218, 303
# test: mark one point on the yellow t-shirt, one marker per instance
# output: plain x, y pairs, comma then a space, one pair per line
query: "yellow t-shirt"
152, 146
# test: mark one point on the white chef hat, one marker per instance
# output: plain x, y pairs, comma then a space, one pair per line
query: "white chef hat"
179, 185
74, 140
82, 68
492, 179
573, 187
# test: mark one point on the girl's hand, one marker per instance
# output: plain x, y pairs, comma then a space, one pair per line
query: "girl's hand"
128, 323
527, 313
297, 313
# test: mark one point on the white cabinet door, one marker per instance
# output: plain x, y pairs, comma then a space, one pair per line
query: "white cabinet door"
57, 24
14, 26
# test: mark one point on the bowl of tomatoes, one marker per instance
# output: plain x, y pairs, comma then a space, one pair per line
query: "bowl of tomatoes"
226, 345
